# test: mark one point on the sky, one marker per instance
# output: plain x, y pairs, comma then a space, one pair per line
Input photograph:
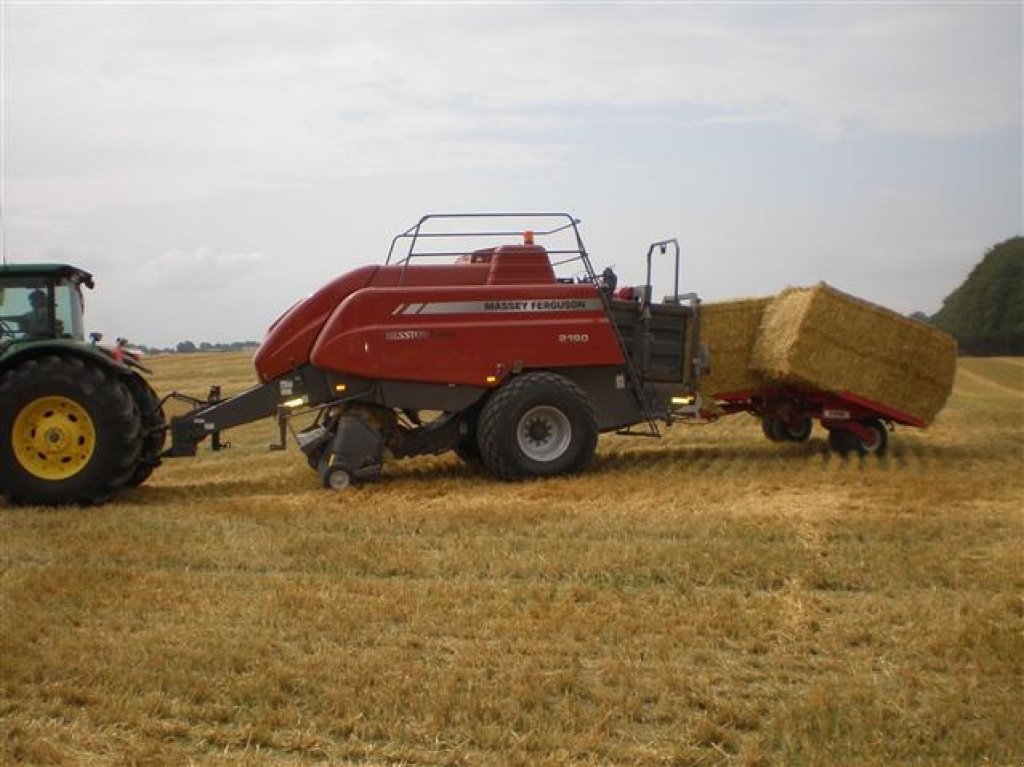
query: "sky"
211, 163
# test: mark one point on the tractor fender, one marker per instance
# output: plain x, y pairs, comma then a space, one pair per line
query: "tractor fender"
63, 348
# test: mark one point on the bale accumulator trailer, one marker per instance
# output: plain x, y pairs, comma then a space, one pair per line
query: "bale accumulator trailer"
787, 413
817, 353
479, 339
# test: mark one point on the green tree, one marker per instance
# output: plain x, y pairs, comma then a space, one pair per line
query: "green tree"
986, 313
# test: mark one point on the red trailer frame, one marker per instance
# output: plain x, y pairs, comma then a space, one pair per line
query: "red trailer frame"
854, 423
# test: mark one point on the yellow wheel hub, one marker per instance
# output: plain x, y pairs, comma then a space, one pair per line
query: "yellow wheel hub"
53, 438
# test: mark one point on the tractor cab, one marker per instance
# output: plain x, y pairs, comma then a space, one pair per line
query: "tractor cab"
41, 302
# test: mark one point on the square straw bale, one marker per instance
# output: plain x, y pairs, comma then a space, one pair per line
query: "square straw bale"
823, 338
728, 330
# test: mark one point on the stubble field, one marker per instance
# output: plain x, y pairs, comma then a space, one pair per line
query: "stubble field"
706, 599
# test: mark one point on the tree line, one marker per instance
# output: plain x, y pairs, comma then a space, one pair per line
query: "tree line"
188, 347
986, 313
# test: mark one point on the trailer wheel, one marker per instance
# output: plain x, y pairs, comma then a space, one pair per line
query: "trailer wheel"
800, 431
879, 440
538, 424
70, 432
773, 428
842, 441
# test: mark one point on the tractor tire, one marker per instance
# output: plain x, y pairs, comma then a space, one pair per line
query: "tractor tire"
537, 425
70, 432
154, 429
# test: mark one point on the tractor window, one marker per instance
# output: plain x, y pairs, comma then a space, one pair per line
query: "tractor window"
68, 309
25, 308
32, 308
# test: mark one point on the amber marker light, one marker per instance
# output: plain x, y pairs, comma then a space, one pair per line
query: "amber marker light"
340, 387
492, 379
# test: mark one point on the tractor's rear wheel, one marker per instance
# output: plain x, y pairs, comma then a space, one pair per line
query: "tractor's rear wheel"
538, 424
70, 432
154, 429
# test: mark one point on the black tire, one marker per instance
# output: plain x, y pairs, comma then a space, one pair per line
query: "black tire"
878, 444
469, 451
798, 430
70, 432
841, 441
773, 428
468, 448
154, 429
538, 424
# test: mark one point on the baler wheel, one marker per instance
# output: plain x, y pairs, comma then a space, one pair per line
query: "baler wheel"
538, 424
469, 451
336, 478
70, 432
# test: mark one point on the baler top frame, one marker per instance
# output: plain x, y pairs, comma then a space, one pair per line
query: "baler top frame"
422, 231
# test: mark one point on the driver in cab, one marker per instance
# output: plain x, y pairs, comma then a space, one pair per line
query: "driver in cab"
35, 323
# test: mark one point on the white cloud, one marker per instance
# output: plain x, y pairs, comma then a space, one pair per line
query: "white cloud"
198, 270
762, 135
113, 104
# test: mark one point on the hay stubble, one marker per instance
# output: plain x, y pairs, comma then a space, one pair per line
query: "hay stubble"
709, 598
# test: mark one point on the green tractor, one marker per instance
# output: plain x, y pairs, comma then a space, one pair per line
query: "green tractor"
78, 421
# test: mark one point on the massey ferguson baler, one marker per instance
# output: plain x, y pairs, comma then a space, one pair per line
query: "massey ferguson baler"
475, 341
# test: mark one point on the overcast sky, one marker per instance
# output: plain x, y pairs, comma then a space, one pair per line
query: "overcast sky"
212, 163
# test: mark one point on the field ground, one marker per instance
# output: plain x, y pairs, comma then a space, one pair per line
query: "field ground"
707, 599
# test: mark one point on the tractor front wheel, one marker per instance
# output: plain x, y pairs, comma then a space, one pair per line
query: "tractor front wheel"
538, 424
70, 432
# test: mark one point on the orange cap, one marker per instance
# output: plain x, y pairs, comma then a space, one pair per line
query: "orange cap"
527, 237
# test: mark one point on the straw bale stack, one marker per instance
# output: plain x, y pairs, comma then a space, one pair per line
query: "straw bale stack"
729, 329
823, 338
